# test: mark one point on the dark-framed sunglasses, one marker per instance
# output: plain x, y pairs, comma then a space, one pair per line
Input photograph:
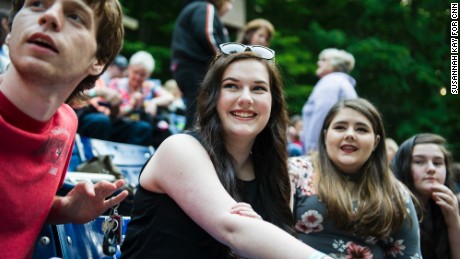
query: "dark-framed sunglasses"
235, 47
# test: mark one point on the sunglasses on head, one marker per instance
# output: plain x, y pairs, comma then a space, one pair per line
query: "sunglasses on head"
235, 47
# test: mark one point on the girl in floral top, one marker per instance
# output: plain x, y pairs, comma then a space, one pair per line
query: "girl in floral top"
349, 204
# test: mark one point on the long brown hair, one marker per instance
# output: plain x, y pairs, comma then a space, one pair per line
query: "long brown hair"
269, 151
376, 187
433, 245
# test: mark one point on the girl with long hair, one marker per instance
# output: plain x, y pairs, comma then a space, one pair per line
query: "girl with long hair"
348, 203
203, 192
423, 164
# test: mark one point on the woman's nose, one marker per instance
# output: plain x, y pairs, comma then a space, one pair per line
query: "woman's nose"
350, 134
430, 167
245, 97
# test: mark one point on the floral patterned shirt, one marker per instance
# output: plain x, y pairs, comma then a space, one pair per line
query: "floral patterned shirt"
314, 229
149, 90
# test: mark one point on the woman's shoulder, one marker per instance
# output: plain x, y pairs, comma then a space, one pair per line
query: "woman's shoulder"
180, 140
183, 145
180, 151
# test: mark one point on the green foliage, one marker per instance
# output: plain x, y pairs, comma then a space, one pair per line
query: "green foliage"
401, 49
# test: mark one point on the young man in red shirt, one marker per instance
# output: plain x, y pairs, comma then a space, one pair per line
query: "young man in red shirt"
58, 48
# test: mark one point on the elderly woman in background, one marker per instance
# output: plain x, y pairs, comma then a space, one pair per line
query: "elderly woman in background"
335, 84
141, 98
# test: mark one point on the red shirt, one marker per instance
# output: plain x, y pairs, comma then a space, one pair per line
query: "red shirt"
34, 157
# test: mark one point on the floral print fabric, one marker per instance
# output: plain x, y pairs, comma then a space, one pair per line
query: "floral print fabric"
315, 229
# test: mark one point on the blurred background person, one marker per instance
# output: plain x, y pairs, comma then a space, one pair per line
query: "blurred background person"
257, 32
141, 98
294, 131
392, 148
335, 84
95, 117
423, 164
197, 34
116, 69
177, 108
177, 105
4, 30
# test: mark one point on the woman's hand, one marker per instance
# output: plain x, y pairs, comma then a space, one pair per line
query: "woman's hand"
448, 203
137, 100
244, 209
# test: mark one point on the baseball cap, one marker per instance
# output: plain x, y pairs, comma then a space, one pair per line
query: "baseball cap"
120, 61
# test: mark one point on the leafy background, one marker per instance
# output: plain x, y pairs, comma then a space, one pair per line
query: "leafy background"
402, 52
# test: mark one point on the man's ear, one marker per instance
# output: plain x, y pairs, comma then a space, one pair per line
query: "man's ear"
96, 68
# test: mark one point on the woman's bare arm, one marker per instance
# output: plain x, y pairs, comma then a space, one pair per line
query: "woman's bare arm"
182, 169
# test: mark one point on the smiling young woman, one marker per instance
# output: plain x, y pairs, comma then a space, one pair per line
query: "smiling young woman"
340, 187
189, 200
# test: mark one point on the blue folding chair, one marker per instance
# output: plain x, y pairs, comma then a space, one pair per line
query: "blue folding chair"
47, 245
74, 240
85, 240
128, 158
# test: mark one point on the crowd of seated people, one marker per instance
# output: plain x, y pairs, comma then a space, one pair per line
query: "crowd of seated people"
132, 107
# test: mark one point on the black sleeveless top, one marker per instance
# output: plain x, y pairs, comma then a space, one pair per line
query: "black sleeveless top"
159, 228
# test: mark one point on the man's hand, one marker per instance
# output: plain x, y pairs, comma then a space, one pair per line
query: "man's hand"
85, 202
